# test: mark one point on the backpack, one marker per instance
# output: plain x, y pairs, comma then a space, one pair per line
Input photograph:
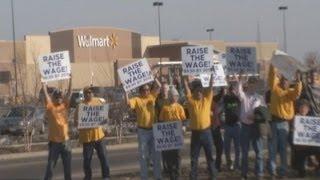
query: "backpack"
262, 115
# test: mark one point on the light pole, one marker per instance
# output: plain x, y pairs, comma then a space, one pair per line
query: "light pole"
283, 9
158, 4
14, 52
210, 31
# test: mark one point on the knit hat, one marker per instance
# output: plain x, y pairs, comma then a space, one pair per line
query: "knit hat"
173, 92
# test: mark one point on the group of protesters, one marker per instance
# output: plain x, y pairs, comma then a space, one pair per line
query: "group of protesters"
218, 116
237, 113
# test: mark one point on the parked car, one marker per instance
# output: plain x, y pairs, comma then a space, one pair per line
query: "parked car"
22, 118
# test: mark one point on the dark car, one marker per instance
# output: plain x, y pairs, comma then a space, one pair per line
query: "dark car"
22, 118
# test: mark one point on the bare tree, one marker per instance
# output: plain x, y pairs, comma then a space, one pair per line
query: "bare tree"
312, 59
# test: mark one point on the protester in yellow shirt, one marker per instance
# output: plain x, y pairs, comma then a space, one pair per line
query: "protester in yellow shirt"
144, 106
92, 138
282, 110
199, 107
172, 111
57, 113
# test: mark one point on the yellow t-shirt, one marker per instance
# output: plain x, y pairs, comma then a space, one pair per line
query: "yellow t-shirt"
90, 134
172, 112
57, 122
145, 109
282, 100
199, 111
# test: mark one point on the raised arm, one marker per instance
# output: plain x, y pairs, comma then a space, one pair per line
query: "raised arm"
126, 99
45, 90
273, 80
186, 85
156, 86
239, 79
68, 95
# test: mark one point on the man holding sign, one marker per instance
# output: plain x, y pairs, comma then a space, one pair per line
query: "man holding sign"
92, 137
172, 112
57, 113
199, 107
144, 106
282, 110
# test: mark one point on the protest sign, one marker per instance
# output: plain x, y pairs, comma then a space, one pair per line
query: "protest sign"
286, 64
54, 66
92, 116
135, 74
218, 75
306, 131
168, 135
196, 60
241, 59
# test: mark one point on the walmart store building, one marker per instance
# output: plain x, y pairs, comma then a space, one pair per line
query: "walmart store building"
94, 51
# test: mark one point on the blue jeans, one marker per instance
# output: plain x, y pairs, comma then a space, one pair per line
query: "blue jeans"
250, 134
202, 139
101, 150
56, 149
278, 142
146, 144
232, 133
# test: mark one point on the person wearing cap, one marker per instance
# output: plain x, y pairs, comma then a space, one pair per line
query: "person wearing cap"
249, 133
57, 108
199, 108
92, 139
172, 111
144, 106
282, 110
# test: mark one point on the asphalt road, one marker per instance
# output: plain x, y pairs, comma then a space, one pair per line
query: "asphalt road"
122, 159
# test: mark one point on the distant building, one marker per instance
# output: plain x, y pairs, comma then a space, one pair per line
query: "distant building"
95, 53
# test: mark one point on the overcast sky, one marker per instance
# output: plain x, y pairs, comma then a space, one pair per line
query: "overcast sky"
233, 20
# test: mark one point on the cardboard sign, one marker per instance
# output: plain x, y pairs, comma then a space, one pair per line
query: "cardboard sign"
168, 135
219, 77
287, 65
241, 59
197, 60
55, 66
92, 116
135, 74
306, 131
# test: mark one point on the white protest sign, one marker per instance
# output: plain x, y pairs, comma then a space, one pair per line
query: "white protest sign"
306, 131
241, 59
92, 116
54, 66
218, 74
196, 60
168, 135
135, 74
286, 64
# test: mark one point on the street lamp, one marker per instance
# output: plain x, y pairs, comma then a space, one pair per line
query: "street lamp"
283, 9
210, 33
14, 61
158, 4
